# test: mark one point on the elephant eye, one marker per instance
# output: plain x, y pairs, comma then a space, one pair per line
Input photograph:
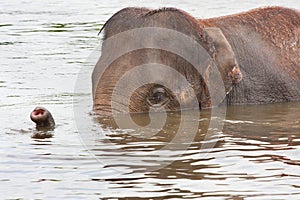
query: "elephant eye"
158, 97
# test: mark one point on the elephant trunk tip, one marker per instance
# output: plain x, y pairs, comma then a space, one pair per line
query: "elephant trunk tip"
42, 118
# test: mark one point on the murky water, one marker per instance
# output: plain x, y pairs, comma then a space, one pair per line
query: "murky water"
48, 50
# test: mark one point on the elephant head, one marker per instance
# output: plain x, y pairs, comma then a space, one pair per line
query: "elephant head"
161, 59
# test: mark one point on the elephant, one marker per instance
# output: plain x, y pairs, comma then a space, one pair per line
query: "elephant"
42, 118
256, 54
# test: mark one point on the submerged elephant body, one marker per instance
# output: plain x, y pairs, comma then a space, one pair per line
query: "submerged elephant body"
256, 54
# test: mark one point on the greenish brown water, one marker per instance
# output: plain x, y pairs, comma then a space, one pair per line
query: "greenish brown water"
48, 50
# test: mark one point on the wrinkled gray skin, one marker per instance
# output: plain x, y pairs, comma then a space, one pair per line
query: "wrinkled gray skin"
266, 43
43, 118
256, 52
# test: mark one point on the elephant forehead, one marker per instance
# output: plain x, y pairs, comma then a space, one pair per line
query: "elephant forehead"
152, 73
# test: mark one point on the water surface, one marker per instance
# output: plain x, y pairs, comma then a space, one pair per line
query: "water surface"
48, 50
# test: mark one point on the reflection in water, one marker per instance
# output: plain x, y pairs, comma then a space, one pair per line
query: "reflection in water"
270, 124
42, 134
258, 144
151, 147
248, 131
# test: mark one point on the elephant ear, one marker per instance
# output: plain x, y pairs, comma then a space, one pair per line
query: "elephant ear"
224, 57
